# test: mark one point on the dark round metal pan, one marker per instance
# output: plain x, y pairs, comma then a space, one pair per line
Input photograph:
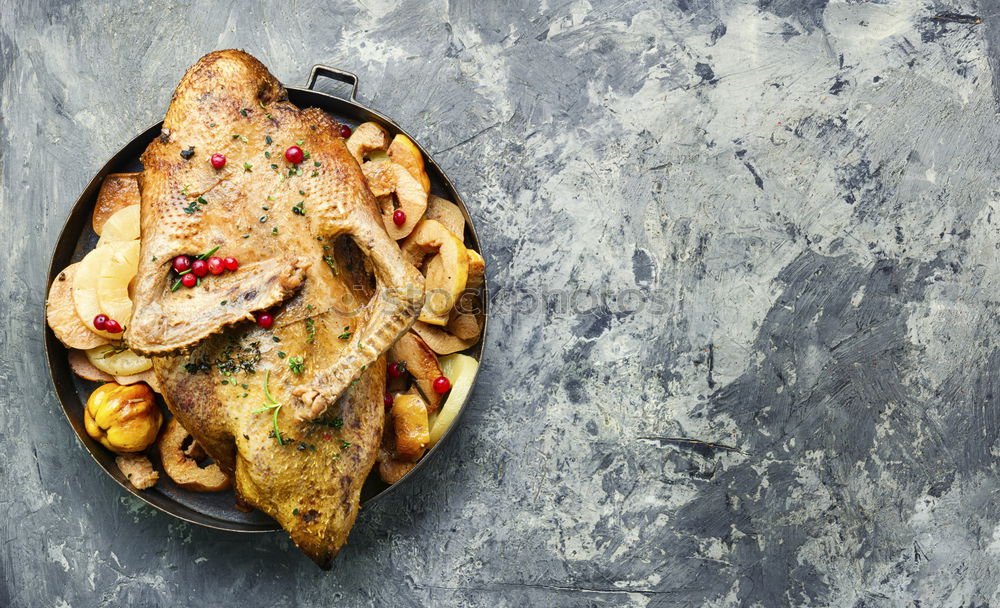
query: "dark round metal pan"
217, 510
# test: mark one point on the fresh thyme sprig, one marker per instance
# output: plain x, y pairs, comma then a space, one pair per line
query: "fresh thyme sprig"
271, 405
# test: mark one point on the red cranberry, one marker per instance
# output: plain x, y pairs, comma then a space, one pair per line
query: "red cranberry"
189, 280
230, 263
265, 320
112, 327
399, 217
387, 400
182, 263
441, 385
395, 371
345, 131
218, 161
215, 265
294, 155
100, 322
199, 268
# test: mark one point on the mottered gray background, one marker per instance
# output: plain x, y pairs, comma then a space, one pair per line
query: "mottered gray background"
745, 334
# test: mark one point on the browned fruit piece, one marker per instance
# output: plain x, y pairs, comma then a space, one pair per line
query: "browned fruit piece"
389, 178
447, 213
392, 470
138, 470
367, 137
147, 376
60, 312
402, 150
422, 364
409, 423
184, 470
440, 340
118, 191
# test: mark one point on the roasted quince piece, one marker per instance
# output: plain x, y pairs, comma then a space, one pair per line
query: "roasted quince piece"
123, 418
403, 151
446, 273
183, 468
396, 190
421, 363
367, 137
409, 423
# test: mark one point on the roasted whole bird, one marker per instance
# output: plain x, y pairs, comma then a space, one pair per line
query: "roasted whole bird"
293, 412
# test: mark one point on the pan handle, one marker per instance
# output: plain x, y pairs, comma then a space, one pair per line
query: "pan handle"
340, 75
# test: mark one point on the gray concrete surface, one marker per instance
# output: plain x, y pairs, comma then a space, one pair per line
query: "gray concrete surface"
745, 339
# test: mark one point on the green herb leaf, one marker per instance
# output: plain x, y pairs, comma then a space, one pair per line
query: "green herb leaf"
296, 364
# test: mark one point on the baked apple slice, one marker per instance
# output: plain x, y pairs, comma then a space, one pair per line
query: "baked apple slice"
88, 305
118, 360
422, 364
410, 425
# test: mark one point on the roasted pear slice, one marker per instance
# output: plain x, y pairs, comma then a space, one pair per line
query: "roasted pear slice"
403, 151
389, 178
446, 278
367, 136
422, 364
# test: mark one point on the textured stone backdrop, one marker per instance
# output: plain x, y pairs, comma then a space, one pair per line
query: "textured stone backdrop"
745, 341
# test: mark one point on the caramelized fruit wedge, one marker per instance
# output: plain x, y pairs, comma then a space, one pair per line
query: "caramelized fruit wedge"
85, 298
440, 340
60, 312
460, 370
114, 279
445, 280
387, 177
367, 136
403, 151
122, 226
410, 425
110, 359
185, 470
422, 364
